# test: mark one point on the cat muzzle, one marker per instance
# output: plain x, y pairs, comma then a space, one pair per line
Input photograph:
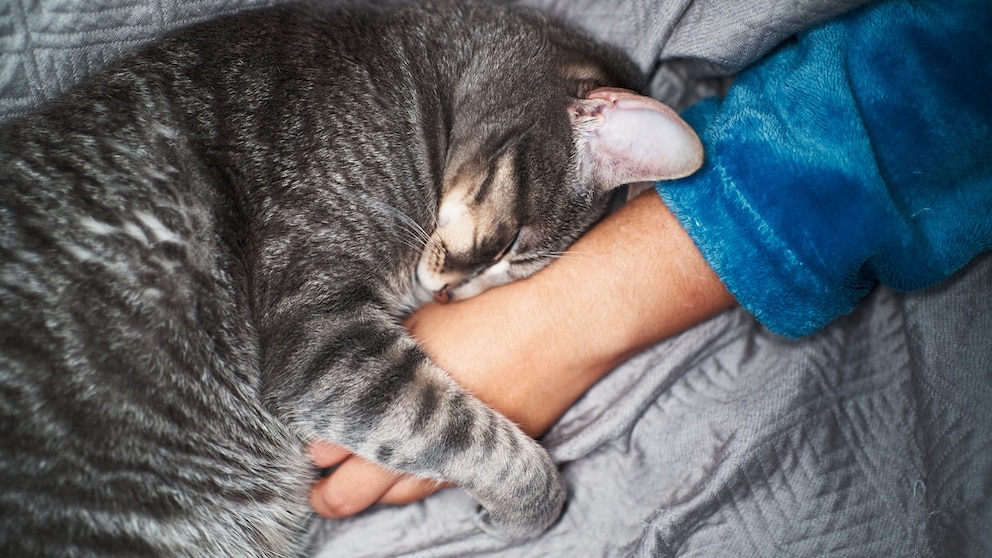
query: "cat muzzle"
443, 295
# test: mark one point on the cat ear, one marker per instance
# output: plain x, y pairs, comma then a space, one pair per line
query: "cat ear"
623, 137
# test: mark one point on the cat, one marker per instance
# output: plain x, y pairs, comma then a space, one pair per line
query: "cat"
208, 249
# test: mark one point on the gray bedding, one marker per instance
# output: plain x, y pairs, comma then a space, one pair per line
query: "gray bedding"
870, 438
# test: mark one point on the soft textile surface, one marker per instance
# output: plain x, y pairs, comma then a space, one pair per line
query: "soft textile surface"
871, 438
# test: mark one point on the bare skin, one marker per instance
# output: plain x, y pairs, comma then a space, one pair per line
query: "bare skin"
532, 348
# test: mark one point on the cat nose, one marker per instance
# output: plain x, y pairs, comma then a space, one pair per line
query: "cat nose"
442, 295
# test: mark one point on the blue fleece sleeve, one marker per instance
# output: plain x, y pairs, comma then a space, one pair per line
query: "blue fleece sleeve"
859, 152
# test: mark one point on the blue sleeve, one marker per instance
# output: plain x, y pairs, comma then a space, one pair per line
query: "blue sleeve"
856, 153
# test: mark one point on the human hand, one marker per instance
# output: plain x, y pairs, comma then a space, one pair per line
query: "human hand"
357, 484
531, 348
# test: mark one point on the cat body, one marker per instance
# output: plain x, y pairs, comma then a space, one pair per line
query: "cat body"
207, 250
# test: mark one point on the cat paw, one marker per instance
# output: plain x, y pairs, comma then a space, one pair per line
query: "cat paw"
524, 524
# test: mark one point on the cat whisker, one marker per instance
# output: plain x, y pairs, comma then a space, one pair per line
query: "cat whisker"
543, 256
418, 237
413, 227
566, 255
413, 246
413, 243
419, 234
410, 235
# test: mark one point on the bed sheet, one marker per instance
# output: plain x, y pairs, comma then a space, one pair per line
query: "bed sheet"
870, 438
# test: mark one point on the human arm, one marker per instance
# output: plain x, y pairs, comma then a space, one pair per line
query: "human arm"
532, 348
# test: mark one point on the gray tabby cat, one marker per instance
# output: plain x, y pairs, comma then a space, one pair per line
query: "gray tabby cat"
208, 248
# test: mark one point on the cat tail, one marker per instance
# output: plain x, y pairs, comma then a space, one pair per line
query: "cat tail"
400, 410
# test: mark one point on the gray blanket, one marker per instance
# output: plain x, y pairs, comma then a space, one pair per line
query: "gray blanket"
871, 438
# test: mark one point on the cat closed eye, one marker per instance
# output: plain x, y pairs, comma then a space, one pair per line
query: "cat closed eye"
509, 247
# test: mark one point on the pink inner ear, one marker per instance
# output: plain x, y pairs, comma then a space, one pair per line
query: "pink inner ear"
625, 137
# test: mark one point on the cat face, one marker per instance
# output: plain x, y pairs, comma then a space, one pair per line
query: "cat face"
492, 225
490, 232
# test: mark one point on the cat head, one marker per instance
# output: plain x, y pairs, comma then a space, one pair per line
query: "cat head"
504, 217
524, 179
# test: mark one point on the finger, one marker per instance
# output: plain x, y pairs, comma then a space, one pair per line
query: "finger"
354, 486
326, 454
410, 489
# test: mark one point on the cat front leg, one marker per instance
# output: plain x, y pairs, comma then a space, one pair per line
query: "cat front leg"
381, 396
438, 430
